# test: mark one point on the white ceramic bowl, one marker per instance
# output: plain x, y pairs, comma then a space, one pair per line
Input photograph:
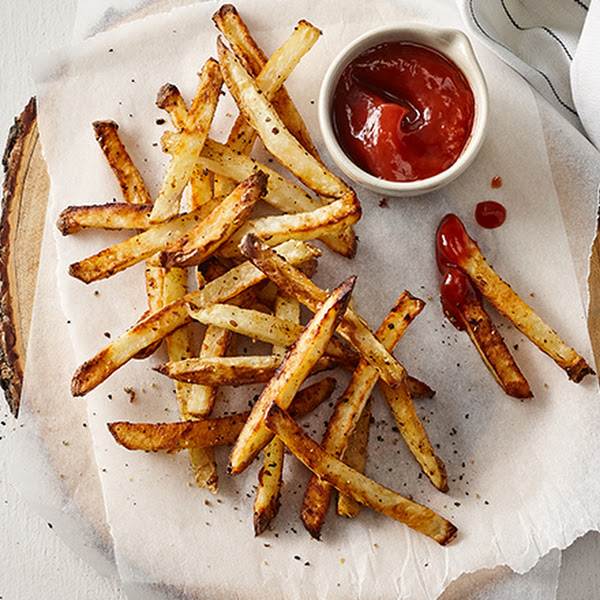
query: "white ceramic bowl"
454, 45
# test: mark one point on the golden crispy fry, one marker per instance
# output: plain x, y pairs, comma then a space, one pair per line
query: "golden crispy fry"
170, 100
355, 456
159, 324
270, 476
116, 215
180, 345
463, 307
506, 301
270, 480
271, 129
119, 257
271, 76
215, 343
222, 371
190, 144
182, 435
353, 328
134, 192
200, 242
267, 328
350, 405
414, 434
296, 366
131, 182
270, 79
419, 389
255, 62
327, 219
231, 25
281, 193
355, 484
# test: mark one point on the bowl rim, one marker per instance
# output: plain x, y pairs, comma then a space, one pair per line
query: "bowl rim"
440, 39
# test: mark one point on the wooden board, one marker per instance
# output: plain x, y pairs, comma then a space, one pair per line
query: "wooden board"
24, 200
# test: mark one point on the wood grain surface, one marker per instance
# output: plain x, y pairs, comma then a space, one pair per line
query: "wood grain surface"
25, 195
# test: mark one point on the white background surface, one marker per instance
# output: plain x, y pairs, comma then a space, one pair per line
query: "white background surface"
36, 562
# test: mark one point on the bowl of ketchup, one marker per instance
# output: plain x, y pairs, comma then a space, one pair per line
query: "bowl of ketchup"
403, 109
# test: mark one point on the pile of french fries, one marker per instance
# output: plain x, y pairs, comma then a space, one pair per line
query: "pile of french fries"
252, 275
464, 267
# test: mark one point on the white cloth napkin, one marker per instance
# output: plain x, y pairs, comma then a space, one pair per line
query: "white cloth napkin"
552, 44
585, 75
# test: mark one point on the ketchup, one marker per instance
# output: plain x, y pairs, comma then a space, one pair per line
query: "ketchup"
403, 112
490, 214
457, 292
453, 243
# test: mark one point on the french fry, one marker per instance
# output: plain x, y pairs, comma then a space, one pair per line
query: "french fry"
222, 371
233, 28
462, 305
297, 364
116, 215
267, 328
353, 328
270, 476
123, 255
255, 61
505, 299
270, 480
271, 76
132, 185
272, 131
350, 405
159, 324
182, 435
180, 345
188, 238
207, 236
169, 99
306, 226
355, 456
355, 484
214, 345
269, 79
414, 434
190, 144
419, 389
134, 192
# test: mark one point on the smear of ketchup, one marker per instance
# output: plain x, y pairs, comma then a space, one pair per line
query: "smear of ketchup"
490, 214
453, 244
457, 292
403, 112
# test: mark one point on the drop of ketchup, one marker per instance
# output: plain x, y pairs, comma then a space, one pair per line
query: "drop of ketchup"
453, 244
490, 214
457, 291
402, 111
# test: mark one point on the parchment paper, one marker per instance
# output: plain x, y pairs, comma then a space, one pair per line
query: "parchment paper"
519, 486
